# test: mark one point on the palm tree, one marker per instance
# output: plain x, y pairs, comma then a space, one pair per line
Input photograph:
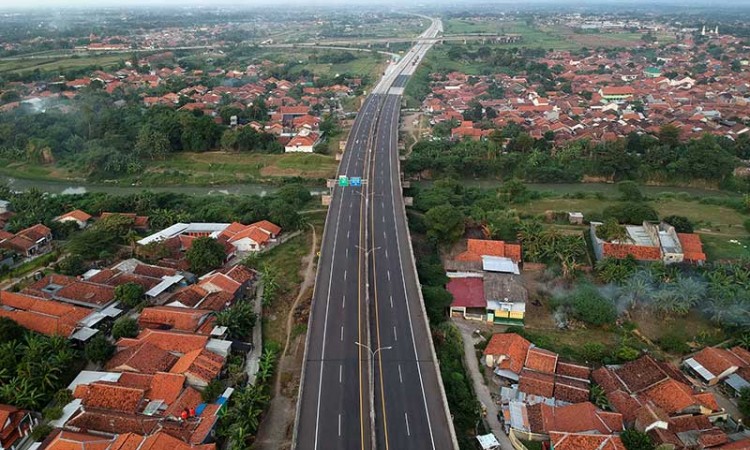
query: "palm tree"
637, 289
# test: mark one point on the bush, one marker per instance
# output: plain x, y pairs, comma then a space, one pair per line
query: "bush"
674, 341
631, 212
629, 191
591, 307
681, 224
636, 440
212, 391
593, 352
126, 327
99, 349
41, 431
52, 412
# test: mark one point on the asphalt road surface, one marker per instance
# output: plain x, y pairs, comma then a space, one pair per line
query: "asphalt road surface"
367, 337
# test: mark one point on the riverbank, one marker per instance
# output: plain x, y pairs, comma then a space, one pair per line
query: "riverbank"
188, 173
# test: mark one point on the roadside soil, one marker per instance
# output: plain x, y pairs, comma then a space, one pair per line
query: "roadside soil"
275, 431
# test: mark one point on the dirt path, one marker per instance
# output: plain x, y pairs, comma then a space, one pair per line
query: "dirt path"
481, 390
275, 431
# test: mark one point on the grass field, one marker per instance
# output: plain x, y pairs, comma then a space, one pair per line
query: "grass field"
228, 168
557, 37
199, 169
59, 63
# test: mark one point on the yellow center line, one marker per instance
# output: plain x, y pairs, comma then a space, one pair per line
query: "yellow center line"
359, 323
377, 315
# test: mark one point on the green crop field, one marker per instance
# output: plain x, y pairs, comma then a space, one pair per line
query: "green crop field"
60, 62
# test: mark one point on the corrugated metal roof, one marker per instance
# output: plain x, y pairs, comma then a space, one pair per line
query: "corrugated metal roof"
499, 264
699, 369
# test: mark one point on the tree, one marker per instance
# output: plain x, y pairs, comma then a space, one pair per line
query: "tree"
629, 191
636, 440
437, 300
130, 294
71, 265
515, 191
630, 212
125, 327
669, 135
239, 320
681, 224
205, 254
99, 349
445, 224
10, 331
744, 402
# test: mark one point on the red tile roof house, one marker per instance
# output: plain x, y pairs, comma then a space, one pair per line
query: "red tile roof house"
647, 383
197, 357
68, 440
650, 242
74, 291
15, 424
583, 441
79, 217
713, 364
304, 142
139, 222
468, 298
506, 352
476, 248
126, 404
47, 317
32, 241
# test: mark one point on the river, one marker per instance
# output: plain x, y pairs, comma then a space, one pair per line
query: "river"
70, 188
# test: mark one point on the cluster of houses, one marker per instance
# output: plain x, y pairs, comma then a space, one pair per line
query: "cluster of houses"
610, 96
485, 283
149, 393
548, 400
294, 106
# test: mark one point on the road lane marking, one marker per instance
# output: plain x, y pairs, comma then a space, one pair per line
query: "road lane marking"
343, 302
341, 372
391, 298
395, 335
340, 425
386, 253
408, 311
347, 252
342, 333
389, 274
344, 274
406, 418
400, 378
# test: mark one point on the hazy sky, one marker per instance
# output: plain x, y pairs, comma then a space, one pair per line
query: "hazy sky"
308, 3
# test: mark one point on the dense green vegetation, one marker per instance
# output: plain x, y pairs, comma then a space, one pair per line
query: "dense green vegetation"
33, 367
644, 158
103, 139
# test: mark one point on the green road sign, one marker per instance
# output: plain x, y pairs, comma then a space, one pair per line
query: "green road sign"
343, 180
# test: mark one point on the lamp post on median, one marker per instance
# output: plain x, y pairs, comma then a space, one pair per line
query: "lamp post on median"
372, 382
373, 353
